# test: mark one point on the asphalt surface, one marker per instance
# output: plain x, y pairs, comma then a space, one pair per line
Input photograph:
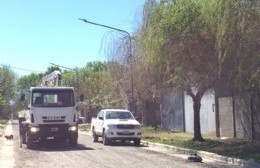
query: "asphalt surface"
90, 154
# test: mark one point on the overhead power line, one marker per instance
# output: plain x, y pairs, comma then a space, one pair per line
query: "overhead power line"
23, 69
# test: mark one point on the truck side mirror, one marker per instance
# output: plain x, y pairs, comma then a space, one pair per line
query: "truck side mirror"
81, 97
101, 118
22, 97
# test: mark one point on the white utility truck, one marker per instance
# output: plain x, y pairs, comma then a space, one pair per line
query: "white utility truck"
52, 113
116, 124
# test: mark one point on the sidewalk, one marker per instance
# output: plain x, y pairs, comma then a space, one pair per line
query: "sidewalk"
6, 149
205, 155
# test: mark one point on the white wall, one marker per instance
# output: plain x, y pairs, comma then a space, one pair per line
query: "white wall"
207, 113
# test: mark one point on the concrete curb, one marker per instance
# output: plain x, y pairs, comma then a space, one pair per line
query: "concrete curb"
209, 155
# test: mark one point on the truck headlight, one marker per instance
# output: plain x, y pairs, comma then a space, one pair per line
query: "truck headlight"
34, 129
73, 128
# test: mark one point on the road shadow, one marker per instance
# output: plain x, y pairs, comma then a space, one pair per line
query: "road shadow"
58, 146
118, 143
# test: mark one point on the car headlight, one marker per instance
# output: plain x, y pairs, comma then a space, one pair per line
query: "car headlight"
73, 128
112, 126
34, 129
137, 126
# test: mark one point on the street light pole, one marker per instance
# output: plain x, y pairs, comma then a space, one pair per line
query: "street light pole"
130, 55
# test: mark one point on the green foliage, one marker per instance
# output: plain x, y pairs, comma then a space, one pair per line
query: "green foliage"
203, 44
85, 127
51, 69
7, 84
195, 43
27, 81
7, 89
2, 100
92, 81
3, 122
237, 42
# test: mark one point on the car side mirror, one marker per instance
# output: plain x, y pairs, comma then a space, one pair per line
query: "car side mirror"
101, 118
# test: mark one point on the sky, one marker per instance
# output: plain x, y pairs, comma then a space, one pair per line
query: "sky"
36, 33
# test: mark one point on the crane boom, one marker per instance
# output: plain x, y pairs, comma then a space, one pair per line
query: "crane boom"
52, 80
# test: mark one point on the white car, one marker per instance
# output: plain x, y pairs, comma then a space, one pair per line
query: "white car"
81, 120
116, 124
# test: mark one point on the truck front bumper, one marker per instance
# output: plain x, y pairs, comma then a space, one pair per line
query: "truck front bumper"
54, 131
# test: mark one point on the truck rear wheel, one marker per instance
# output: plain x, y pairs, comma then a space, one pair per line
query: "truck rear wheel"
23, 139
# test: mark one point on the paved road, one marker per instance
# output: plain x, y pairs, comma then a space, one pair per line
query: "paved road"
89, 154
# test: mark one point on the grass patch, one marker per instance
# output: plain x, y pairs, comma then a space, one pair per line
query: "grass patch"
3, 121
243, 149
84, 127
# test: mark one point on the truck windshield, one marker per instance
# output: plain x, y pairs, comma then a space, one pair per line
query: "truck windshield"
52, 98
118, 115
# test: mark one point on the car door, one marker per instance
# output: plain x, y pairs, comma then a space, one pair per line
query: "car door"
99, 125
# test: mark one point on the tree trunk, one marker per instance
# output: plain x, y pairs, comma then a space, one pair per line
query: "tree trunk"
197, 130
151, 108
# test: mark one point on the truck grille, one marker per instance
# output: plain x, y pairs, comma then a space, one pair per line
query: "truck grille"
53, 119
55, 130
125, 126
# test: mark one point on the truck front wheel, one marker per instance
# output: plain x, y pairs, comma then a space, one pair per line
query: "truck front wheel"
29, 142
23, 138
73, 141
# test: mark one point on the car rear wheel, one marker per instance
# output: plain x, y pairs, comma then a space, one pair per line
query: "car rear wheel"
94, 135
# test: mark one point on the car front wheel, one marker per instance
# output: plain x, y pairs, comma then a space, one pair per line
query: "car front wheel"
137, 142
105, 139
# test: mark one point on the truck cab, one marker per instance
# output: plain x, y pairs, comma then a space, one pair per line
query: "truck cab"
52, 115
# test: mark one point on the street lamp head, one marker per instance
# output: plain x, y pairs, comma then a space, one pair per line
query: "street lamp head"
84, 20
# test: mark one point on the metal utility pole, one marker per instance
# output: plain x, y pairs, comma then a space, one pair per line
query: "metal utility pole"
130, 56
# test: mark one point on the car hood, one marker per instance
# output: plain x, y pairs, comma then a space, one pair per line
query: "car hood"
121, 122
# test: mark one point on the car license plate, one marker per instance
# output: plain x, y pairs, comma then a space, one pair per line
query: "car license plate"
54, 129
125, 132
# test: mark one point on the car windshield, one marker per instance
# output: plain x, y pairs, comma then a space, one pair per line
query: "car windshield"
53, 98
119, 115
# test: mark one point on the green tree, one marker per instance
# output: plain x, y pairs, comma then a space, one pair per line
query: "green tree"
194, 45
25, 82
7, 88
92, 81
